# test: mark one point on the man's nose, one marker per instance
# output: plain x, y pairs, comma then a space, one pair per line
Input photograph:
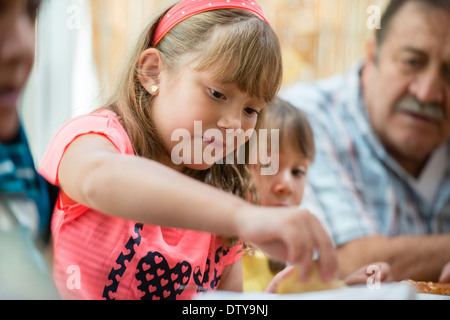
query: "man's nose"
428, 87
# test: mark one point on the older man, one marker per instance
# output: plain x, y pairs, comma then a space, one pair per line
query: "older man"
381, 180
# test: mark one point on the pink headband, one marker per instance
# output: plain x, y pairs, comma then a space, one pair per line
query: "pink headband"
188, 8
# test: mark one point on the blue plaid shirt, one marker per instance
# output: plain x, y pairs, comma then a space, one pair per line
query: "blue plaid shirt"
354, 186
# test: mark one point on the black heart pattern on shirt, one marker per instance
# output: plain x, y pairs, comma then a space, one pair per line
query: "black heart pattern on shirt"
158, 280
125, 257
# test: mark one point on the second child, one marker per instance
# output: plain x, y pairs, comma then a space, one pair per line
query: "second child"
285, 188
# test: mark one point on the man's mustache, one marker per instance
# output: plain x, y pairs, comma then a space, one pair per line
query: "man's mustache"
432, 111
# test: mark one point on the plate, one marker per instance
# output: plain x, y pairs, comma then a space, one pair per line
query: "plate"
429, 296
390, 291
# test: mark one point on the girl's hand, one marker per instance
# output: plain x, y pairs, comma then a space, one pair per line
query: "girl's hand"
292, 235
280, 276
364, 273
445, 274
287, 281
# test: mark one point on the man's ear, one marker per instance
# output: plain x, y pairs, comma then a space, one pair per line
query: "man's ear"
150, 65
370, 63
371, 50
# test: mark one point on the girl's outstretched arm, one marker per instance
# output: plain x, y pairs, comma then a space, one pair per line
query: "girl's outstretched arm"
92, 173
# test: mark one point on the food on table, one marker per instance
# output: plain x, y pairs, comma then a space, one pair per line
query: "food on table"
431, 287
293, 284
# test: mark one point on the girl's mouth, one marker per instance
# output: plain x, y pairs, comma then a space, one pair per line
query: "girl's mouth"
214, 142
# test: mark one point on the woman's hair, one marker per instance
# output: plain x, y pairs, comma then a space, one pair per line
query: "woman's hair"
294, 129
239, 47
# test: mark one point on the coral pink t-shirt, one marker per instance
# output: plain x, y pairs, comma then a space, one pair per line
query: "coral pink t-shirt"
101, 257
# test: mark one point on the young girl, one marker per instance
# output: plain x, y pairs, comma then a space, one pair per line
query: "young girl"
130, 223
286, 188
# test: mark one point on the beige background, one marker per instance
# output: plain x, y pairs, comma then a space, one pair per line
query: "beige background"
319, 37
81, 44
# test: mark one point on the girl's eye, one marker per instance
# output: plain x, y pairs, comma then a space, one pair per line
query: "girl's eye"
218, 95
298, 172
251, 111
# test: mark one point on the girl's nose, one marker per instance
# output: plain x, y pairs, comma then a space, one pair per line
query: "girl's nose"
282, 185
230, 120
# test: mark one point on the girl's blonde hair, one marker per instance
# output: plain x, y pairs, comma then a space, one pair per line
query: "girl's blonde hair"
239, 47
295, 131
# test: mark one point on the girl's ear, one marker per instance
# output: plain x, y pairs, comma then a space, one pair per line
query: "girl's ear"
150, 64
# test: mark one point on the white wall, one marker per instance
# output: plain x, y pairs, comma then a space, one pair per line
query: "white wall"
63, 82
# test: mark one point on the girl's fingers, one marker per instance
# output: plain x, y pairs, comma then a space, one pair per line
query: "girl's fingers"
306, 262
327, 253
316, 239
300, 244
273, 285
293, 235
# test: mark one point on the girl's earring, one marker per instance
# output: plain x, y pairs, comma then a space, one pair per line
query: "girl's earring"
154, 89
